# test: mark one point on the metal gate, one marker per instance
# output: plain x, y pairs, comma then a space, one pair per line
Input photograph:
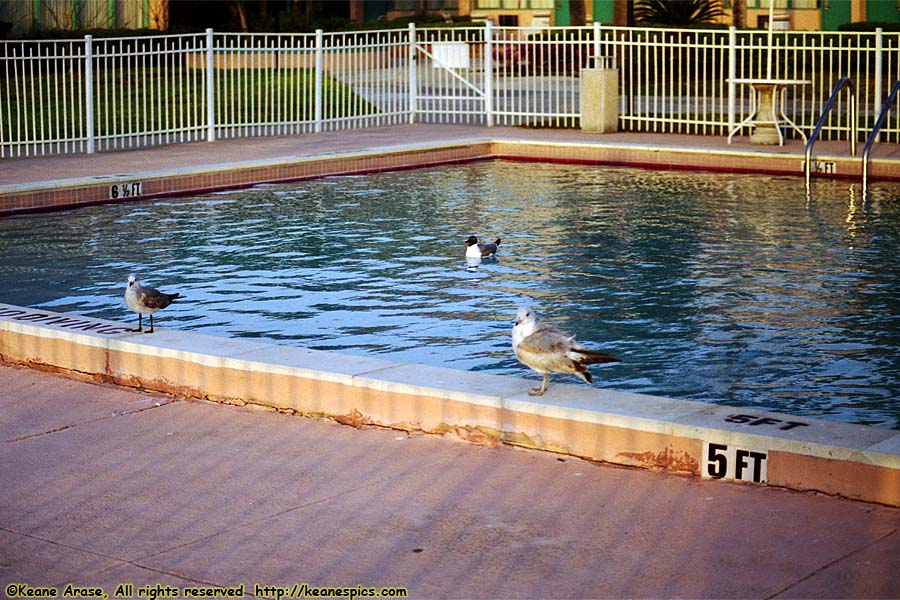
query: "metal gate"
450, 76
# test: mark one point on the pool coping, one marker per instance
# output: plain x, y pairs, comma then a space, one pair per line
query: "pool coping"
692, 438
138, 184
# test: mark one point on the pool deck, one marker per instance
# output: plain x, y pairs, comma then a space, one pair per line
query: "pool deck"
41, 183
106, 485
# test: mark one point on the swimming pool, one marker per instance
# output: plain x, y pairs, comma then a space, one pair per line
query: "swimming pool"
733, 289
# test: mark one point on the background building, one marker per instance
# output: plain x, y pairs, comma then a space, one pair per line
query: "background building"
19, 17
826, 15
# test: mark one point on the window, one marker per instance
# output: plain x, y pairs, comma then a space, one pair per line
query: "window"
433, 5
520, 4
780, 4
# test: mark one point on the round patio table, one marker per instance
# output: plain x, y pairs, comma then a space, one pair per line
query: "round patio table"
767, 110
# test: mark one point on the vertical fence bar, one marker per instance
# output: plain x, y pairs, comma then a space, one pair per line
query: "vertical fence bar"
732, 75
310, 92
344, 62
317, 101
292, 89
143, 105
119, 130
4, 134
59, 120
89, 91
166, 94
104, 88
413, 79
488, 75
37, 99
21, 134
334, 42
879, 46
210, 89
235, 77
28, 92
178, 91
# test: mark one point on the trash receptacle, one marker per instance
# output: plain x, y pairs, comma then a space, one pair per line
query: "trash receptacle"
600, 100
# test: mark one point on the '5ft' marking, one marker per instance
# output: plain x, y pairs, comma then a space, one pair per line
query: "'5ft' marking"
725, 462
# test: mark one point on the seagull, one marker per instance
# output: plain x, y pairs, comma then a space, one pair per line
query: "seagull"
474, 249
142, 300
548, 350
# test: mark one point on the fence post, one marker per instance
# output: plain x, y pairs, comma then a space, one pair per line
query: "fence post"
413, 74
488, 74
89, 91
210, 89
318, 90
879, 47
597, 64
732, 75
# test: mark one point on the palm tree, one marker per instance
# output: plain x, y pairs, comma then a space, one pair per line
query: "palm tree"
739, 13
677, 13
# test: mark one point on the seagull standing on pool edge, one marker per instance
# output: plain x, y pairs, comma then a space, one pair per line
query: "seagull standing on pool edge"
147, 300
548, 350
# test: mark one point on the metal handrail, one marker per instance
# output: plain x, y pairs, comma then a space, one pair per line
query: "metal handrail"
881, 117
843, 81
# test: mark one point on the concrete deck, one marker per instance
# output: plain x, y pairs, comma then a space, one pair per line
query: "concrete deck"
242, 150
104, 486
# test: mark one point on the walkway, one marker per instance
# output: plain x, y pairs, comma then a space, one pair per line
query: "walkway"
20, 171
104, 486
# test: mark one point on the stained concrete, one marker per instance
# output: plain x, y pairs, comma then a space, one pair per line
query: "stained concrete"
104, 485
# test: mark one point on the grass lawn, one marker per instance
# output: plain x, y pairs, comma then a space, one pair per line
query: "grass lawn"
126, 101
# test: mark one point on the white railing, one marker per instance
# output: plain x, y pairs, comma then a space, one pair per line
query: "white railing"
267, 84
677, 81
169, 89
138, 93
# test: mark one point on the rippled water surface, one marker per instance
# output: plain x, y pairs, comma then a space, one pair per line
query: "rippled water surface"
723, 288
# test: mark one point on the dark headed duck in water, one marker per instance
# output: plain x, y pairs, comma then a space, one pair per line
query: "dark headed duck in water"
476, 250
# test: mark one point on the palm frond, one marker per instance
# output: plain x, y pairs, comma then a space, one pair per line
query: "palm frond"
677, 13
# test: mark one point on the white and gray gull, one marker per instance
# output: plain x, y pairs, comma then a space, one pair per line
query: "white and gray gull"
474, 249
146, 300
549, 350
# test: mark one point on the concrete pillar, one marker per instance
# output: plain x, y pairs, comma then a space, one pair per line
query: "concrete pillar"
600, 100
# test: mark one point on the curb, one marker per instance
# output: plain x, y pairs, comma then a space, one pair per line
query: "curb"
703, 440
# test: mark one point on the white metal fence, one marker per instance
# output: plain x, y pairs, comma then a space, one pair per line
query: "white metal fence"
91, 94
678, 81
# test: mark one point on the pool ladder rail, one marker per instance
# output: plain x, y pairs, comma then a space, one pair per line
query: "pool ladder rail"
872, 136
842, 82
854, 111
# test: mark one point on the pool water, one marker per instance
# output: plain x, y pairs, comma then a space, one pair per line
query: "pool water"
731, 289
